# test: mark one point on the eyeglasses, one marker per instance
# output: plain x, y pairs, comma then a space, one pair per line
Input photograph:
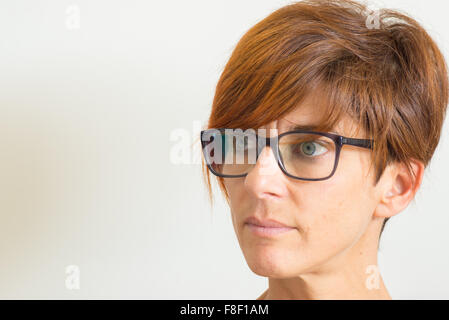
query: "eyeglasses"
302, 155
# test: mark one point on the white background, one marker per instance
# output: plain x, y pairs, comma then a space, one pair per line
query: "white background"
86, 116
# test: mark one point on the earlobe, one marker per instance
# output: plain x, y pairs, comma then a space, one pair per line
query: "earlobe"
384, 208
402, 187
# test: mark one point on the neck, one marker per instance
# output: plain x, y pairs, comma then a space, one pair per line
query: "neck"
353, 274
330, 287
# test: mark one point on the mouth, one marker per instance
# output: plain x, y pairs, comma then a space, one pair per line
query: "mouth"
267, 227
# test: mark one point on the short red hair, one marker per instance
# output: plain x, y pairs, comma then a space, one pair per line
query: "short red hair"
391, 80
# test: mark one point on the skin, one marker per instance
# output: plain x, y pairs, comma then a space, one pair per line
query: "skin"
332, 252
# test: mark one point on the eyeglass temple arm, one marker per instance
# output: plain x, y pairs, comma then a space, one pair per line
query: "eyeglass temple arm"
364, 143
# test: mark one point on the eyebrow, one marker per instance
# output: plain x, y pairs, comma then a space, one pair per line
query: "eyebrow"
302, 127
307, 127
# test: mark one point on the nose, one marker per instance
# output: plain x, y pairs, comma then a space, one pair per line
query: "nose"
266, 179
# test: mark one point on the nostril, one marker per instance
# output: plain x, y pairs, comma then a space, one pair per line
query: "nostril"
269, 195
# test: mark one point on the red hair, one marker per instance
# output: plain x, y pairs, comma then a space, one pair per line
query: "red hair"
391, 80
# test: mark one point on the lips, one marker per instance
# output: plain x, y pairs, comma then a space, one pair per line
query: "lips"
266, 227
267, 223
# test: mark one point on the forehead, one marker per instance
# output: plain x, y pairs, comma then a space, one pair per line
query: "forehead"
310, 113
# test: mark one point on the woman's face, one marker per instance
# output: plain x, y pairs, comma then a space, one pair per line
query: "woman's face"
326, 217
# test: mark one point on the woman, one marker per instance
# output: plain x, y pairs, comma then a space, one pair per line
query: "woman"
332, 115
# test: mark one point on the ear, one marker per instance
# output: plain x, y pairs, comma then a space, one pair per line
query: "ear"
399, 188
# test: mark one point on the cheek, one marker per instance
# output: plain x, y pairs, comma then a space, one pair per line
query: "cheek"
237, 196
337, 209
234, 187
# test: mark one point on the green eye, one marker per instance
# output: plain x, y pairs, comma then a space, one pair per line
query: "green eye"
309, 148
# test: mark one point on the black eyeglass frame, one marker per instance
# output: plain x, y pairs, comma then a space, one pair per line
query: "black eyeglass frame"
272, 142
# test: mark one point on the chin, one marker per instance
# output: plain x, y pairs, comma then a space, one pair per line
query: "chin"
270, 263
